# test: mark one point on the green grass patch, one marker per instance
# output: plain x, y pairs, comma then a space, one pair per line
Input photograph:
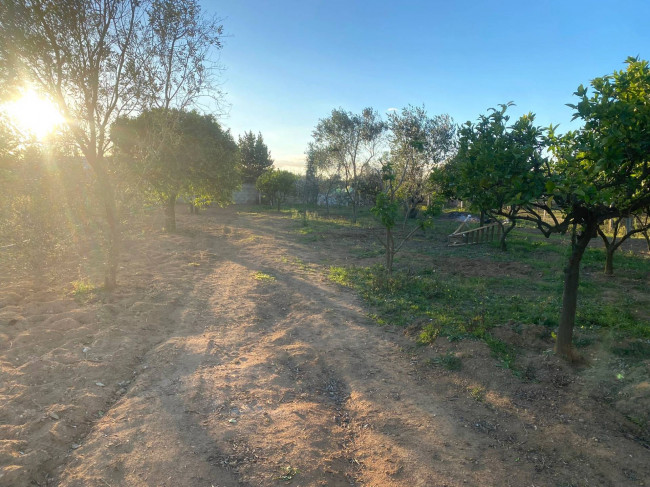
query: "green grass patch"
455, 306
448, 361
367, 251
428, 334
261, 276
83, 290
433, 283
505, 353
459, 306
619, 318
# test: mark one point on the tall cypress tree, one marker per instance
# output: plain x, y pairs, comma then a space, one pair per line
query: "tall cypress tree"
255, 156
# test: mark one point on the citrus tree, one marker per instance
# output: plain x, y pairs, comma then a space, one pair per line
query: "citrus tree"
496, 166
596, 173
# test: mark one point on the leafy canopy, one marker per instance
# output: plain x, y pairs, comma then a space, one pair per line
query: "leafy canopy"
277, 184
254, 155
177, 152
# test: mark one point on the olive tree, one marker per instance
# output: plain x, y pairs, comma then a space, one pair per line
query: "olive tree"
418, 144
322, 175
353, 142
177, 51
386, 210
196, 158
82, 55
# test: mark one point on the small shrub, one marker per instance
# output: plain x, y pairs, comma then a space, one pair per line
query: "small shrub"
634, 349
340, 275
478, 393
82, 290
583, 341
449, 361
429, 334
288, 474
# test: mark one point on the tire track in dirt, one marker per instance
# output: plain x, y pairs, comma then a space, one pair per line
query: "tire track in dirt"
276, 378
221, 404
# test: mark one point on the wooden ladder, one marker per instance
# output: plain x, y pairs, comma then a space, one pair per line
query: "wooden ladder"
478, 235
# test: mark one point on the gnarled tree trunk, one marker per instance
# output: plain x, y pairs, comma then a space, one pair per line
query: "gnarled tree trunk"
505, 230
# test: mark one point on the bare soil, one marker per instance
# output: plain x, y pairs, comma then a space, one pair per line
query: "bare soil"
227, 358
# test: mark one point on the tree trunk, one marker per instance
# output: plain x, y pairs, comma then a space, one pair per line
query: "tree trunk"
610, 247
113, 254
609, 260
482, 219
170, 214
355, 203
504, 233
503, 246
107, 197
570, 294
390, 251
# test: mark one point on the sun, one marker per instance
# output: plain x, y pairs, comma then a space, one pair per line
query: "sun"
33, 114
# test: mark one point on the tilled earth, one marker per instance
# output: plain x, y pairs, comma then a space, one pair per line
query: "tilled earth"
226, 358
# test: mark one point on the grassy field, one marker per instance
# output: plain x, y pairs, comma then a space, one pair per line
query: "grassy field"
465, 292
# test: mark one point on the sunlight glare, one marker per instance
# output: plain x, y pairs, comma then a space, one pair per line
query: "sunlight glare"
33, 114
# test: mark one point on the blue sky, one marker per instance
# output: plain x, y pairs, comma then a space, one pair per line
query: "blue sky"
289, 63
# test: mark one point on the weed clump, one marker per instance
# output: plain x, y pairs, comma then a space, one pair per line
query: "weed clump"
261, 276
448, 361
82, 290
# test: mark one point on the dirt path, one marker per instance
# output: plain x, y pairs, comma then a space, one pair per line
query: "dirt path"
245, 366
